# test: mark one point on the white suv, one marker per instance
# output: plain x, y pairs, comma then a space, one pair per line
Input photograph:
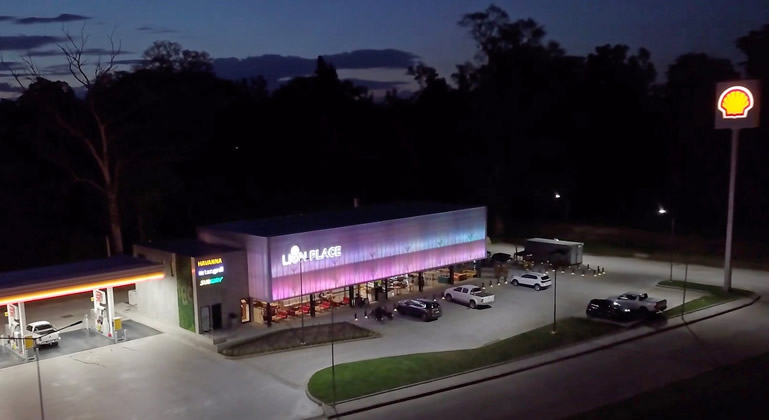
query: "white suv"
538, 280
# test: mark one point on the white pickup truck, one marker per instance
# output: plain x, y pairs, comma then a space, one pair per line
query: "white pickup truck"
640, 302
468, 294
43, 333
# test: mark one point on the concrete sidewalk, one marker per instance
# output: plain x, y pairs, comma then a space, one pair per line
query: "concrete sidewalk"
532, 362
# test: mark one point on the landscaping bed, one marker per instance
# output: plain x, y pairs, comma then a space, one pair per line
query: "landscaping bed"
291, 338
365, 377
715, 295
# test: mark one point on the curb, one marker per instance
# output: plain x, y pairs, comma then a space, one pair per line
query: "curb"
750, 302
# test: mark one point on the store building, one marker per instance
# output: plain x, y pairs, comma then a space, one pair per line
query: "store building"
242, 271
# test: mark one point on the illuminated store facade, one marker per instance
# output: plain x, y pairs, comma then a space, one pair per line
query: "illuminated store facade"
290, 260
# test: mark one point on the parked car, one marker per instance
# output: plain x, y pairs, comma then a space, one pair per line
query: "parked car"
530, 278
425, 309
43, 333
605, 308
640, 302
468, 294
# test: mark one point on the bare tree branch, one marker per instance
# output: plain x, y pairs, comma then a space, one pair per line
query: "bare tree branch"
73, 52
16, 76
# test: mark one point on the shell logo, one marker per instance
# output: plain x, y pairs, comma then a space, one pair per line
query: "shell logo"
735, 102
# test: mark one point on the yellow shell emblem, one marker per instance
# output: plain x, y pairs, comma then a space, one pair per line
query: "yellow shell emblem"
735, 102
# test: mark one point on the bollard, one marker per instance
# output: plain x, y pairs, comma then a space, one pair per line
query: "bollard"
356, 316
365, 314
594, 273
395, 308
572, 271
498, 282
434, 297
583, 272
483, 286
588, 266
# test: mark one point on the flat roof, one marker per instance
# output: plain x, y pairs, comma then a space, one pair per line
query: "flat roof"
554, 241
77, 277
286, 225
188, 247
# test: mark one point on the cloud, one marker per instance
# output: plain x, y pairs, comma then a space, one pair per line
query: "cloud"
8, 88
56, 70
155, 29
64, 17
130, 61
87, 51
277, 67
367, 59
26, 42
12, 65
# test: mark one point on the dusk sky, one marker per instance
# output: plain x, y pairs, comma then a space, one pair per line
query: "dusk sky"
427, 29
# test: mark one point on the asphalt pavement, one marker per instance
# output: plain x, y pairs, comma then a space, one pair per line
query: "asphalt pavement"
77, 341
580, 384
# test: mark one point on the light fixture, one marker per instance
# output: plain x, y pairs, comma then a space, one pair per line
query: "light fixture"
661, 211
557, 196
80, 288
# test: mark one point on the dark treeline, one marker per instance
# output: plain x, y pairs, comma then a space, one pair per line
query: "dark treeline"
153, 152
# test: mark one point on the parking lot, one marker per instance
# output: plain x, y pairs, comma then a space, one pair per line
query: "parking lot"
515, 310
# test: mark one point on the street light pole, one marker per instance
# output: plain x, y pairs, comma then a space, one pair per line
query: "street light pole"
555, 294
730, 214
301, 304
672, 243
39, 381
333, 365
662, 211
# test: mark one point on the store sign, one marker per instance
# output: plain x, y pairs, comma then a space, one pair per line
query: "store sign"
210, 261
295, 254
212, 280
99, 296
210, 267
209, 271
737, 104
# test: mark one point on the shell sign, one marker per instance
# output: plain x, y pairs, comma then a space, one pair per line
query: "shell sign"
736, 102
737, 105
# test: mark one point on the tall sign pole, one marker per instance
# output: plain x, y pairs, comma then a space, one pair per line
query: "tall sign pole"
737, 107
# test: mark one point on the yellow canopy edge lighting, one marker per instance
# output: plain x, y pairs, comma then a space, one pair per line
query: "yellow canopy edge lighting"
80, 288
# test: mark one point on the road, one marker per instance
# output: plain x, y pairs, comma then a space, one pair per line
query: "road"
590, 381
581, 384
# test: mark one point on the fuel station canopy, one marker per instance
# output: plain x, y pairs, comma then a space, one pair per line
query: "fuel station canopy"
67, 279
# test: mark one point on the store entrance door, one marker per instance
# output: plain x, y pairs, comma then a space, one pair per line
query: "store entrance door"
245, 310
216, 316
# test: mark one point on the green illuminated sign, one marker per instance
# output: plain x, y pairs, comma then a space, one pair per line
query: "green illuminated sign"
213, 280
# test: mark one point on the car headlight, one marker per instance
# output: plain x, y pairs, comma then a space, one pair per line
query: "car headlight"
626, 310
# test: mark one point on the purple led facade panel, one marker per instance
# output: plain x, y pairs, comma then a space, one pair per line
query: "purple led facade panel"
333, 258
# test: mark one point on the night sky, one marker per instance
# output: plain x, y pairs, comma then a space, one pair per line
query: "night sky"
427, 29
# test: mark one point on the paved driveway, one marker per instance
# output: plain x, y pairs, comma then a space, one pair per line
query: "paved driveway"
516, 310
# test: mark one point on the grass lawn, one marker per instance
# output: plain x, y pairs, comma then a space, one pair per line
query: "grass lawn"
737, 391
369, 376
715, 296
288, 339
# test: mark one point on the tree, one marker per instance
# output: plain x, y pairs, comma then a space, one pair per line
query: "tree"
167, 56
94, 139
695, 150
